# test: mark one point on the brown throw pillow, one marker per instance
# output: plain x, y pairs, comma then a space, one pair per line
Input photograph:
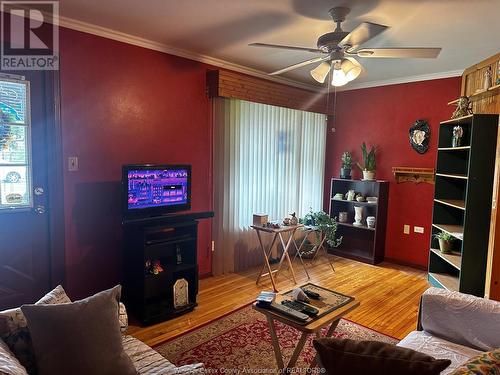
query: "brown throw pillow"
81, 337
344, 356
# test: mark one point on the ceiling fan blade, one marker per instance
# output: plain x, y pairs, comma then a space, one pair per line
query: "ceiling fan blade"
424, 53
300, 64
361, 34
293, 48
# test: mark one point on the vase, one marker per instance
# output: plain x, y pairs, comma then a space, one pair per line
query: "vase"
456, 141
368, 175
343, 217
370, 221
358, 215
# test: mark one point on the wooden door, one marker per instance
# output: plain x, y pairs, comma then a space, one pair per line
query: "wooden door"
26, 105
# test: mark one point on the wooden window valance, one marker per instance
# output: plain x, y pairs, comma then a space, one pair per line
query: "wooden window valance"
227, 84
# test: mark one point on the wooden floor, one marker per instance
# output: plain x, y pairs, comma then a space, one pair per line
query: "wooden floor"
389, 296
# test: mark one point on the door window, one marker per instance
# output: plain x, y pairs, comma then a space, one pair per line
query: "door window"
15, 150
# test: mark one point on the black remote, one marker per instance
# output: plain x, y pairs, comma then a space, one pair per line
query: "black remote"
289, 312
301, 307
311, 294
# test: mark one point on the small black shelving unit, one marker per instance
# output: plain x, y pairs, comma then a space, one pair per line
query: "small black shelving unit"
462, 203
172, 240
360, 242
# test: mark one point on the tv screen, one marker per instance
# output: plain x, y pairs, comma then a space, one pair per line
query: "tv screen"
156, 189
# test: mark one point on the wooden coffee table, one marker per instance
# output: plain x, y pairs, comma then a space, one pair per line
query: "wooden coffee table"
312, 328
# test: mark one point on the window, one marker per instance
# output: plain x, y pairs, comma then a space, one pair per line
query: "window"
267, 160
15, 155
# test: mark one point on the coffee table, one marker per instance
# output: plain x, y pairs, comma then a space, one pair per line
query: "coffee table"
312, 328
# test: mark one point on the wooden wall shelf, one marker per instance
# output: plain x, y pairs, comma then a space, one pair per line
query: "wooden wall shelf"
411, 174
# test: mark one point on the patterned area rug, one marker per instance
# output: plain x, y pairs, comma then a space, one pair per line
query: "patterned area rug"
240, 342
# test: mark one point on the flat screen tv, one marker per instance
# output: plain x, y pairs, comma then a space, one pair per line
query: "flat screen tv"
150, 190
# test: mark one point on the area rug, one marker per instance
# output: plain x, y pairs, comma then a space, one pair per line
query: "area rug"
241, 342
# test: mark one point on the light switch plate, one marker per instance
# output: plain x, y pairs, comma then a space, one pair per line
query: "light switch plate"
418, 229
72, 163
406, 229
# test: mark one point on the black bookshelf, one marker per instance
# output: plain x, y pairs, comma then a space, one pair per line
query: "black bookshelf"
462, 203
172, 239
360, 242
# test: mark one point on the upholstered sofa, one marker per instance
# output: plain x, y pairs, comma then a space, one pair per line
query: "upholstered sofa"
455, 326
13, 334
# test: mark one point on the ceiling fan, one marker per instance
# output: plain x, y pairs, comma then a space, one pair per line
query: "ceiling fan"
339, 49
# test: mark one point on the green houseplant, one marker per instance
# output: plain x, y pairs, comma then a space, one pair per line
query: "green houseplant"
345, 170
369, 164
325, 225
445, 241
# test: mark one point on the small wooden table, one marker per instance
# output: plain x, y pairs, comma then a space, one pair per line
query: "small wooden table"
277, 233
308, 230
314, 327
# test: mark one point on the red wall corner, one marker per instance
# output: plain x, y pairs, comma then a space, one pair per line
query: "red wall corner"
382, 116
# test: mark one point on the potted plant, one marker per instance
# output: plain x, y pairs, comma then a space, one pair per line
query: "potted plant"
326, 225
445, 241
369, 164
345, 170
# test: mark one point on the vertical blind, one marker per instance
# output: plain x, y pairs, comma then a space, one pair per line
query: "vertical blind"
267, 160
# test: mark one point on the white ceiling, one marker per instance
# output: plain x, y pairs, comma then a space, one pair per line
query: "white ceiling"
467, 30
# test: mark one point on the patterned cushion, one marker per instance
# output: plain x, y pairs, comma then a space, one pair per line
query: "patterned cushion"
487, 363
15, 333
147, 361
9, 365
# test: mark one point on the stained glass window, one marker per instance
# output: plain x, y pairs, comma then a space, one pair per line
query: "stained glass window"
15, 157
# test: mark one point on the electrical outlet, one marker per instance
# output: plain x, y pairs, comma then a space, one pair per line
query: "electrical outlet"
73, 163
418, 229
406, 229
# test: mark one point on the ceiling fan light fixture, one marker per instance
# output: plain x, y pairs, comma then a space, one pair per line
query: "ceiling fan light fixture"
350, 70
338, 77
321, 71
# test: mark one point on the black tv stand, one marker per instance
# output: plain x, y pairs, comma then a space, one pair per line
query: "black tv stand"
171, 239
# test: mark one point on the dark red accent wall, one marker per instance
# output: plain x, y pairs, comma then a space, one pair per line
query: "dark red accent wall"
382, 116
125, 104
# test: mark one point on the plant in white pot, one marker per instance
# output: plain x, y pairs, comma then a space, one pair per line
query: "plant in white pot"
369, 165
445, 241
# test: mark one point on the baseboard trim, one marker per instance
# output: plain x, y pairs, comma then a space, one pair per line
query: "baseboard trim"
405, 263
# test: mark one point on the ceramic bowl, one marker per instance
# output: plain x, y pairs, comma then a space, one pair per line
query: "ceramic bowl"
372, 199
360, 199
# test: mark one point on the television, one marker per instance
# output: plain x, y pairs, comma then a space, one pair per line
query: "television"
151, 190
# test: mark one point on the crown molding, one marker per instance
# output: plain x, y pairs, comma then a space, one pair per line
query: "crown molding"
396, 81
149, 44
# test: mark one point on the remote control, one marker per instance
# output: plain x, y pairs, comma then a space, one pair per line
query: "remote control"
311, 294
291, 313
301, 307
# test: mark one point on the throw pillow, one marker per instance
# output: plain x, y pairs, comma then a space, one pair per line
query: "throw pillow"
344, 356
487, 363
15, 333
81, 337
9, 365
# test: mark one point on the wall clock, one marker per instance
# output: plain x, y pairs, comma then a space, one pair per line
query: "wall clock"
420, 133
181, 293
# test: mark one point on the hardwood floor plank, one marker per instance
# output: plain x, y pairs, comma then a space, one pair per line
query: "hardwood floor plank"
389, 296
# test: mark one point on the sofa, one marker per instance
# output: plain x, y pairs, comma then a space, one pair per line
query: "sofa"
13, 333
454, 326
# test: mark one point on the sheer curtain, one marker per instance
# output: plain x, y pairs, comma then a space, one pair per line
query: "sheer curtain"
267, 160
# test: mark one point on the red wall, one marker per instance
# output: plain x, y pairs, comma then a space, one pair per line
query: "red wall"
125, 104
382, 116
